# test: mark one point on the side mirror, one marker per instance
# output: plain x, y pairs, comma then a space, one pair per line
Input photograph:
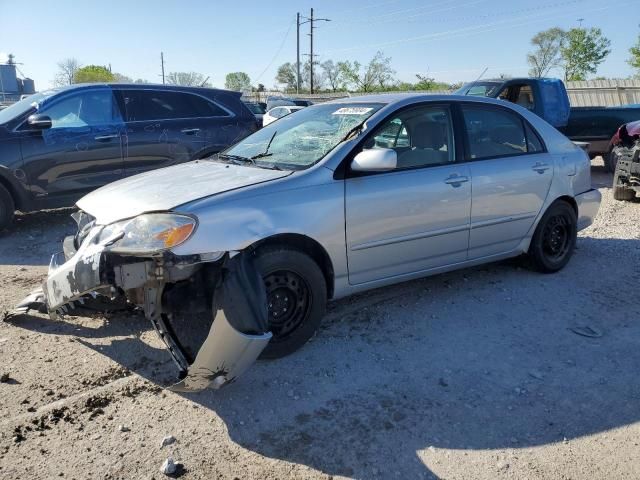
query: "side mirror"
375, 160
41, 122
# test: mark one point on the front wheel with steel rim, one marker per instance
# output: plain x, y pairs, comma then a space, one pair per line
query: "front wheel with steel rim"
555, 238
296, 297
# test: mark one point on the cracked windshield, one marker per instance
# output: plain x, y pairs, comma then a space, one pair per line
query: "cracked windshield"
299, 140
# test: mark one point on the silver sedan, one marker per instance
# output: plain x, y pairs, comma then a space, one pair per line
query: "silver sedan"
235, 256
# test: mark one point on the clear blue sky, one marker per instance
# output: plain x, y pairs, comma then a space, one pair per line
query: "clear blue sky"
449, 39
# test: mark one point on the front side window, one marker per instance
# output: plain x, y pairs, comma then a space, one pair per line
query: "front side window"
150, 105
493, 132
298, 141
421, 136
86, 108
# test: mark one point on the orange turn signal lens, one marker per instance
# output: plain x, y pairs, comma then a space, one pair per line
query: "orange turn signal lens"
176, 235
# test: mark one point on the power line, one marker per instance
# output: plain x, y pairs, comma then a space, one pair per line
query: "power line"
277, 52
454, 32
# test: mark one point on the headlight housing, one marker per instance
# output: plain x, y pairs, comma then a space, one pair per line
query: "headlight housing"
149, 233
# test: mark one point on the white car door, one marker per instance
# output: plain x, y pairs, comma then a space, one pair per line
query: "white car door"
415, 217
510, 173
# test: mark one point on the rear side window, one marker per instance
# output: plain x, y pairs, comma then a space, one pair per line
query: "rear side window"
494, 132
534, 145
145, 105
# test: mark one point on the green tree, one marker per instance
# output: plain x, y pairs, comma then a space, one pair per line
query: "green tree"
238, 81
333, 75
93, 74
187, 79
583, 51
377, 74
546, 55
634, 61
286, 75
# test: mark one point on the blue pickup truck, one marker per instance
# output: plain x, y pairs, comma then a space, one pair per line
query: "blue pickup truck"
547, 97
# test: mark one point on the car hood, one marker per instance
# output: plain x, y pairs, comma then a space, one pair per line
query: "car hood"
167, 188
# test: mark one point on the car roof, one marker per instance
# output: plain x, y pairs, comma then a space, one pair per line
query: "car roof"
146, 86
404, 98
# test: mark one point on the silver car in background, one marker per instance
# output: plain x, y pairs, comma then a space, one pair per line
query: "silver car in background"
339, 198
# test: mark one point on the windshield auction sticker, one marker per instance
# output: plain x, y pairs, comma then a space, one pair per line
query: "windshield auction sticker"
352, 111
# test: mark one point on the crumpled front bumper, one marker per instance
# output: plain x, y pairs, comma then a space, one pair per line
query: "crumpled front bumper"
71, 279
224, 354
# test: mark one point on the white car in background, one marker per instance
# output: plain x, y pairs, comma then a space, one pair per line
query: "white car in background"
278, 112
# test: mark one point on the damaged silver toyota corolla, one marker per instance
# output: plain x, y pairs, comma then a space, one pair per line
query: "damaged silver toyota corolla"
235, 256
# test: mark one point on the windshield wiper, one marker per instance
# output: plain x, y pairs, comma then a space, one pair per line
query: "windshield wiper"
236, 158
266, 150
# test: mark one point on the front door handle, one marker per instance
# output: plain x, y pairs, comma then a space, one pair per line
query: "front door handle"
106, 138
540, 167
456, 180
190, 131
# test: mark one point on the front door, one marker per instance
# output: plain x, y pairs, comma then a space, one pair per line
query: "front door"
415, 217
80, 152
511, 176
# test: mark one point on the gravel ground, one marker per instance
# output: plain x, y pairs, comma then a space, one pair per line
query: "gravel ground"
473, 374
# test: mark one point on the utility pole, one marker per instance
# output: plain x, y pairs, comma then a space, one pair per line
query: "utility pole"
162, 65
298, 52
311, 59
310, 21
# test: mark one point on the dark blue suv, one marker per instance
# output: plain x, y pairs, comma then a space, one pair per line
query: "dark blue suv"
57, 145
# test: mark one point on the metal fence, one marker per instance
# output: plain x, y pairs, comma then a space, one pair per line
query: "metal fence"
604, 93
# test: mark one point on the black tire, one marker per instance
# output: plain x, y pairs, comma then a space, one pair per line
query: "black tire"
554, 240
291, 278
611, 160
7, 208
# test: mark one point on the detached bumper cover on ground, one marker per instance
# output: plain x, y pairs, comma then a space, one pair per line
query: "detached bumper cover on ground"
235, 309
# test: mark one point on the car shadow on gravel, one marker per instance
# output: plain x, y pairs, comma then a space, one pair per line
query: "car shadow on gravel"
480, 359
28, 240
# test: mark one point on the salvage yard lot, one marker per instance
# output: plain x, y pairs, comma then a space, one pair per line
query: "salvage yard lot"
474, 374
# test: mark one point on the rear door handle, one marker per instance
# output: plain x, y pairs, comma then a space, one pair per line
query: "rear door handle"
190, 131
540, 167
106, 138
456, 180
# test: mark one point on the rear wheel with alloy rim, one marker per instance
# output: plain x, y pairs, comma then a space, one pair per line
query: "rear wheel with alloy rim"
555, 238
296, 297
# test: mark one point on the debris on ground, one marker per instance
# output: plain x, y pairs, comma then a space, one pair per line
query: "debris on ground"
4, 378
168, 440
169, 467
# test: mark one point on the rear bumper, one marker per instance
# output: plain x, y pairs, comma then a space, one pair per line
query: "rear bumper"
588, 205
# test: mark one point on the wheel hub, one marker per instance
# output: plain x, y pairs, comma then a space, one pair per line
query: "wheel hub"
556, 237
288, 301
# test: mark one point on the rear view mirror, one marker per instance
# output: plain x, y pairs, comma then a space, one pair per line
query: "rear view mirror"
375, 160
39, 121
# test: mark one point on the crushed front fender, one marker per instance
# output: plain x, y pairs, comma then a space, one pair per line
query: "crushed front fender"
225, 355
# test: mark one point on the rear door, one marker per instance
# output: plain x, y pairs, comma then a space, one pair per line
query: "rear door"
416, 217
167, 127
511, 175
81, 151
